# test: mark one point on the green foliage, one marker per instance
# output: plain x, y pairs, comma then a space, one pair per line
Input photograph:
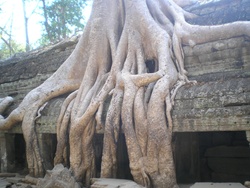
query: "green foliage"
8, 47
6, 52
62, 19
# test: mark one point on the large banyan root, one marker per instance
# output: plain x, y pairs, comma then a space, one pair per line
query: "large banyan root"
129, 56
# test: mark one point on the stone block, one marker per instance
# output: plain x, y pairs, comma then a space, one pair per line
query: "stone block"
113, 183
13, 180
217, 185
4, 183
185, 185
59, 176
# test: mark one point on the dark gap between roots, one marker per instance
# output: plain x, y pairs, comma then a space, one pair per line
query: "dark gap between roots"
151, 66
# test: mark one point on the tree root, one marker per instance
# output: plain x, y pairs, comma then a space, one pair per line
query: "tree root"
4, 103
62, 151
110, 62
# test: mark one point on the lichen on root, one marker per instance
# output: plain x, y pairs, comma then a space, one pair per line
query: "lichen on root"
110, 62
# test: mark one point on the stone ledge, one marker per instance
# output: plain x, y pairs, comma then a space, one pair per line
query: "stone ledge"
217, 185
210, 106
219, 102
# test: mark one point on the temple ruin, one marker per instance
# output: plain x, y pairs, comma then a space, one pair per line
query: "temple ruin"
211, 119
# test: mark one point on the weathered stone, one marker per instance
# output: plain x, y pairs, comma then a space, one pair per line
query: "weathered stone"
217, 185
4, 183
59, 177
247, 184
185, 185
113, 183
23, 185
13, 179
8, 174
30, 180
207, 106
222, 92
220, 12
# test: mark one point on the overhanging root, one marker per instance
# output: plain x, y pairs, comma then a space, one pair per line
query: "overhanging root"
111, 132
34, 158
63, 123
5, 103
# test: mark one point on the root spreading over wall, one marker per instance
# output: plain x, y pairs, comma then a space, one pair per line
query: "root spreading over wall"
130, 54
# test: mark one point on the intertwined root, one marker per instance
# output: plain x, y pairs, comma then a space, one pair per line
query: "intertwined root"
110, 61
5, 103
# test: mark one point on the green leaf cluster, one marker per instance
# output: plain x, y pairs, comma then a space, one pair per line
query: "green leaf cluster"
6, 52
63, 18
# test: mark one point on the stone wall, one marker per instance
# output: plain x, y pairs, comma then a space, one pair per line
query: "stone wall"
220, 12
23, 72
220, 101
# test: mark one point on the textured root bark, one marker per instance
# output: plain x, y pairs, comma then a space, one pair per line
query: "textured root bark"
111, 133
111, 63
62, 151
5, 103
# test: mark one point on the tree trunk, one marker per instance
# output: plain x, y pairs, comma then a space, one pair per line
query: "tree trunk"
46, 24
26, 27
110, 65
9, 46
